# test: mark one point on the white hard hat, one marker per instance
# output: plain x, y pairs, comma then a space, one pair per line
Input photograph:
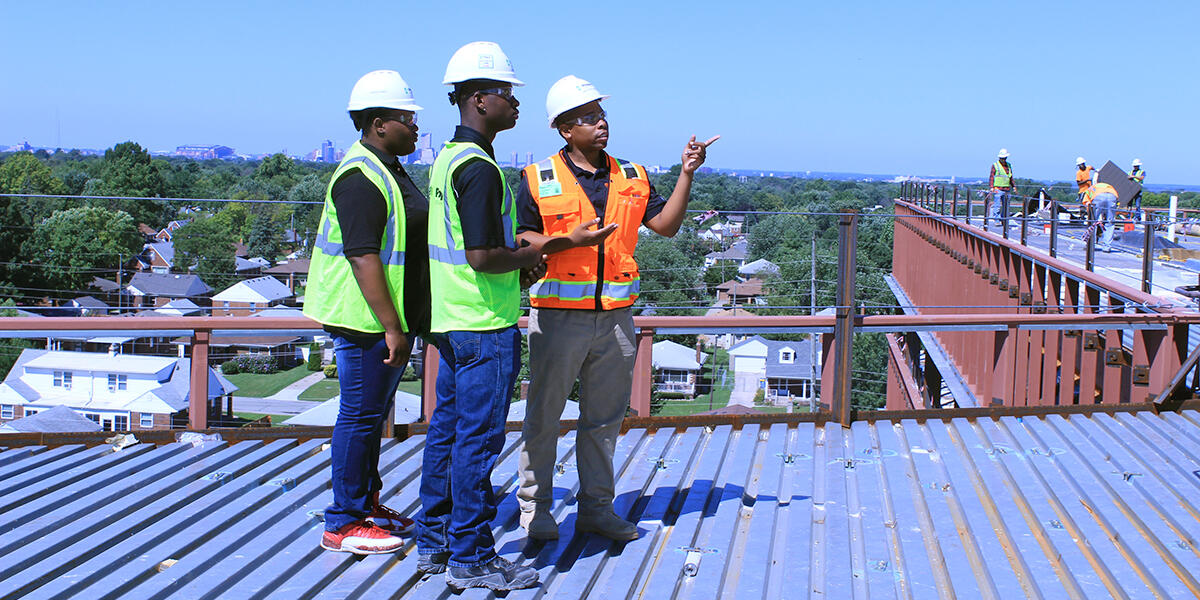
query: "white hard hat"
382, 89
1003, 153
1079, 161
1137, 162
480, 60
567, 93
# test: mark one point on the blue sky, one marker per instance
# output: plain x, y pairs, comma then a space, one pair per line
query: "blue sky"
877, 87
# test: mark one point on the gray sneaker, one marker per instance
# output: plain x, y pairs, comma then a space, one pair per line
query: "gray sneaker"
499, 575
607, 524
432, 564
540, 525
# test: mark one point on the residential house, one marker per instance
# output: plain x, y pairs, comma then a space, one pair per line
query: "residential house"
156, 257
784, 370
117, 391
676, 368
88, 306
250, 295
250, 267
154, 289
736, 293
734, 256
294, 271
167, 233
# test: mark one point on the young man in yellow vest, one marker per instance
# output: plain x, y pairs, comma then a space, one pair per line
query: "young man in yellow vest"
474, 264
1137, 175
581, 325
1000, 183
369, 286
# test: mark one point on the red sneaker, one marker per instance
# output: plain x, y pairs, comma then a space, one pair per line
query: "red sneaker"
390, 520
361, 537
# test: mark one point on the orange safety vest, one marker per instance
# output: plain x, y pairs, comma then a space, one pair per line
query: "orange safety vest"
1083, 178
601, 277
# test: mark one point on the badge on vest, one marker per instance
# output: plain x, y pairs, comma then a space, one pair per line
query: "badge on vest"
549, 188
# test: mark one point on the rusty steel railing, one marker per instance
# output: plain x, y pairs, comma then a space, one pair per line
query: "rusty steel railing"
943, 262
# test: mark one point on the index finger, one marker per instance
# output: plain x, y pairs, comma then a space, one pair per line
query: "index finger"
710, 140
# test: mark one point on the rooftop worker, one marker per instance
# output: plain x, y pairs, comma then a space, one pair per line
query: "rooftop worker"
474, 266
1103, 198
1001, 184
581, 325
1083, 177
369, 286
1138, 176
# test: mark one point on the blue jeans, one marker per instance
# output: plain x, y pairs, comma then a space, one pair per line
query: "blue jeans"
996, 209
368, 389
1105, 207
476, 374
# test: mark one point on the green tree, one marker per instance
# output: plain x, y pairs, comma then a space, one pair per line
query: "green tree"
128, 171
278, 170
205, 246
264, 238
23, 173
75, 245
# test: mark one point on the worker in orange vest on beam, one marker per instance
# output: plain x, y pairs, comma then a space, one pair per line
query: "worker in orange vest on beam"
1083, 177
581, 324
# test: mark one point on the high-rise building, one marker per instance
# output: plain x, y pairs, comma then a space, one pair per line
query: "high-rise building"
328, 153
514, 160
528, 158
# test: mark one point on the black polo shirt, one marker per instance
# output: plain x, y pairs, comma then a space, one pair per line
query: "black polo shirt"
479, 190
362, 218
595, 185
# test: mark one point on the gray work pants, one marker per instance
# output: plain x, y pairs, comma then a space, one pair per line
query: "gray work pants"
598, 348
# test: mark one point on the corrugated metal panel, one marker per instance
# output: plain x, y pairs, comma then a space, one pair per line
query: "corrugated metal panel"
1072, 506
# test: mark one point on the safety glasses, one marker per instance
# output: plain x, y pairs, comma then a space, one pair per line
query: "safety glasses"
588, 119
408, 119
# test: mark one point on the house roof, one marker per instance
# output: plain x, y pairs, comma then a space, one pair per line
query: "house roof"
249, 264
168, 284
101, 361
408, 410
801, 365
178, 306
88, 302
750, 287
246, 341
104, 285
164, 249
669, 355
145, 229
299, 265
761, 266
278, 311
258, 290
901, 508
56, 419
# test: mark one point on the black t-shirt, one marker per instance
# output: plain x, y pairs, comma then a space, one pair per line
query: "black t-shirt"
595, 185
479, 191
362, 218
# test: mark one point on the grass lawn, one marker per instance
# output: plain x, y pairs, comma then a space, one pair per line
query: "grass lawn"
328, 388
260, 386
276, 420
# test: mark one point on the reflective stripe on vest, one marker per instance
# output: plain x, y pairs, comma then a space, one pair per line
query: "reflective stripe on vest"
388, 253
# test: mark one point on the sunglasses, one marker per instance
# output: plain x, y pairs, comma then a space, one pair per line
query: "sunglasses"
503, 92
588, 119
408, 119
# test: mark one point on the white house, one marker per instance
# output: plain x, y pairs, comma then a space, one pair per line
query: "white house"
119, 392
676, 369
249, 295
784, 370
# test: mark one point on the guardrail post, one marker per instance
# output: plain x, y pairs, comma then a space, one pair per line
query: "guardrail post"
1171, 214
429, 373
954, 206
643, 373
970, 208
987, 209
198, 384
1147, 255
1089, 257
1053, 247
843, 329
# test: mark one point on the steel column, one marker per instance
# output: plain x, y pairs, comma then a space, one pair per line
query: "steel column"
198, 385
643, 373
844, 327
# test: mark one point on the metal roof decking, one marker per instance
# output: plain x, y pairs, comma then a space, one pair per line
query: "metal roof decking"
1063, 505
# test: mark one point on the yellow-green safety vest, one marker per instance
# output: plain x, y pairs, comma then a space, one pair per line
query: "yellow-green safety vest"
1003, 177
333, 296
465, 299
